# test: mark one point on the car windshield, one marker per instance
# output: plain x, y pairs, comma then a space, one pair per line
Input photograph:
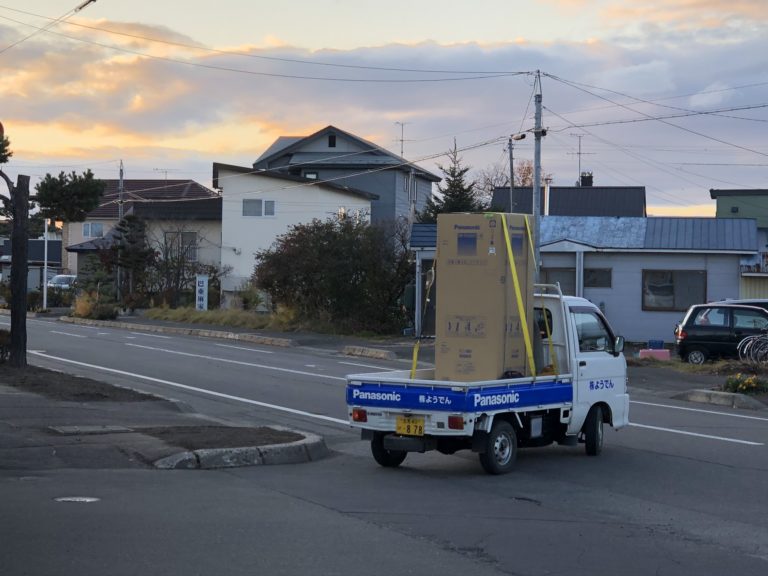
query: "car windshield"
62, 279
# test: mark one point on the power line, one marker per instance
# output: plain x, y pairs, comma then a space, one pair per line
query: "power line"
479, 76
684, 129
649, 118
51, 24
258, 56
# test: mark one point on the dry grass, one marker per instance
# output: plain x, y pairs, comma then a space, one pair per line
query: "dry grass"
238, 318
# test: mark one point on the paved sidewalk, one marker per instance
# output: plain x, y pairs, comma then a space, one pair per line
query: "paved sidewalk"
138, 431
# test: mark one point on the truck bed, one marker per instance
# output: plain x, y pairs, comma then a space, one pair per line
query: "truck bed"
396, 390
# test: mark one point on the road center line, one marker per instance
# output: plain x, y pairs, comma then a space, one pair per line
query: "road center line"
151, 335
698, 410
240, 362
673, 431
245, 348
367, 366
68, 334
195, 389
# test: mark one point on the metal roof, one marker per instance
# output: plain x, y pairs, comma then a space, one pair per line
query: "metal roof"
595, 231
217, 166
720, 234
309, 159
714, 194
137, 191
281, 143
200, 209
290, 145
577, 200
641, 234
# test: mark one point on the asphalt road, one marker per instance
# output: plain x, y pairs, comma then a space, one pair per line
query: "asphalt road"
681, 491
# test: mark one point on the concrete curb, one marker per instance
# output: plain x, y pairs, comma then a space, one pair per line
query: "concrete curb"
252, 338
369, 352
312, 447
718, 398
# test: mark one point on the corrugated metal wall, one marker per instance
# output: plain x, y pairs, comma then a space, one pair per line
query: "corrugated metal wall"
753, 287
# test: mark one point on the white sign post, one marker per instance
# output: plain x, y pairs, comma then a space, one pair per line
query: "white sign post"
201, 292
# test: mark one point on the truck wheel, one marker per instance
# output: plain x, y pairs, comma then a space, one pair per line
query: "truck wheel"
384, 457
696, 356
593, 431
500, 449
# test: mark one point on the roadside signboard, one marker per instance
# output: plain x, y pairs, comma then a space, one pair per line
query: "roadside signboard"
201, 292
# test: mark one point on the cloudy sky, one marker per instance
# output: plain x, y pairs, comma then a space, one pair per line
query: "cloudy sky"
667, 94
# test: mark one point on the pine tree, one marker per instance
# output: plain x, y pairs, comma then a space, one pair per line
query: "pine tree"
456, 195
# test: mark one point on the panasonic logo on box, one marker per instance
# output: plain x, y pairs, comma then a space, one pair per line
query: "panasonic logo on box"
461, 227
497, 399
381, 396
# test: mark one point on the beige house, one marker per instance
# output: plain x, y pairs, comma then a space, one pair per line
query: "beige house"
166, 206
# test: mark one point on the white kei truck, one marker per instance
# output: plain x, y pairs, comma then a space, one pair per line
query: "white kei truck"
583, 388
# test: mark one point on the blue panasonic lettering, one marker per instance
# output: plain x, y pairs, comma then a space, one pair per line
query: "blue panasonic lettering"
462, 227
380, 396
496, 399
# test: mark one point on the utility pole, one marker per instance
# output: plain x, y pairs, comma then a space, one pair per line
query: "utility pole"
538, 133
120, 188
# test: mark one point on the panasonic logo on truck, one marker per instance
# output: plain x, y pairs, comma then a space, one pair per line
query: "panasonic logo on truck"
380, 396
496, 399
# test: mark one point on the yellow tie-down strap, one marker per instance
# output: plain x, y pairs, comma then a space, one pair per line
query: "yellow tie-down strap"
519, 296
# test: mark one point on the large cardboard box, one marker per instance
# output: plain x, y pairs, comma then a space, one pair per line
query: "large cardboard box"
479, 334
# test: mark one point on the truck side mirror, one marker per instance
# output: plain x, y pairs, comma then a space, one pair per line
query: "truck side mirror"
618, 345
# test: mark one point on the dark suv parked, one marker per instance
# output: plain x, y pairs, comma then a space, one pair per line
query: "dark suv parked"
714, 330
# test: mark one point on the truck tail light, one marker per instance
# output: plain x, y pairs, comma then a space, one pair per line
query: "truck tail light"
456, 422
359, 415
681, 335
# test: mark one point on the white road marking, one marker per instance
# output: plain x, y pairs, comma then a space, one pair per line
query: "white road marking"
367, 366
245, 348
130, 337
102, 334
195, 389
673, 431
699, 410
68, 334
239, 362
151, 335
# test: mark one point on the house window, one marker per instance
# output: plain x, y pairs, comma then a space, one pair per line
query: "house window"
597, 278
93, 229
310, 175
331, 140
566, 277
258, 207
673, 289
181, 245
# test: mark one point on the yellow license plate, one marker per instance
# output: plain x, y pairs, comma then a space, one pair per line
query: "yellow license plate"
409, 426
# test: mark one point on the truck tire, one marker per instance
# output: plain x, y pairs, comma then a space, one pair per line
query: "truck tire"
384, 457
593, 431
500, 449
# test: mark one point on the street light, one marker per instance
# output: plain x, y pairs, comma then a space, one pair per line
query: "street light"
512, 138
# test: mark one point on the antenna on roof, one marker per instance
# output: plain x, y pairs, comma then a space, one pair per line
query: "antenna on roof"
165, 170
